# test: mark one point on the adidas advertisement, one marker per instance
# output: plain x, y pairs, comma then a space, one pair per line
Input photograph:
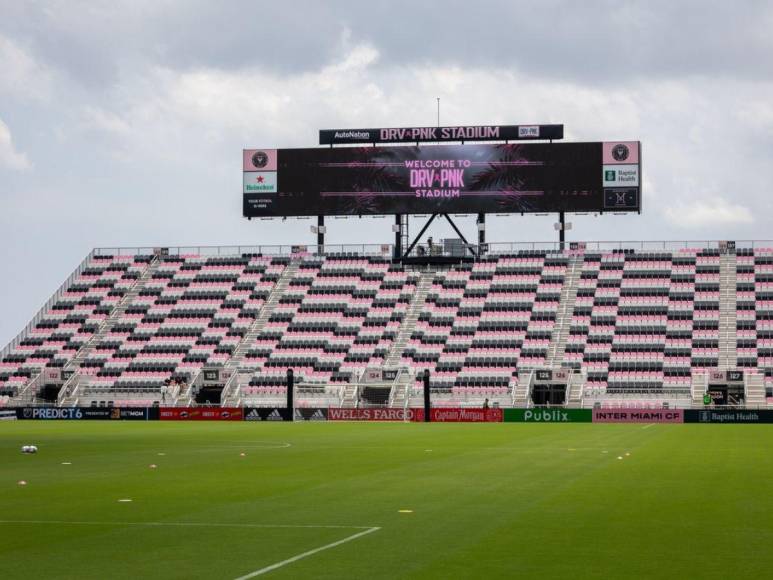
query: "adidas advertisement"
310, 414
252, 415
266, 414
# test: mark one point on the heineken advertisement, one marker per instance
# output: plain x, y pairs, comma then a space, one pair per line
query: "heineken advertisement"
728, 416
548, 415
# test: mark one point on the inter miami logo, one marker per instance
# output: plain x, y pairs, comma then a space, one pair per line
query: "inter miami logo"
619, 152
260, 159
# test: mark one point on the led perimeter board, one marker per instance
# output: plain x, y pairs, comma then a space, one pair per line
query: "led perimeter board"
476, 178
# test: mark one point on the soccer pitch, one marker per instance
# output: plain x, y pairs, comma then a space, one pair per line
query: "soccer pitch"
355, 500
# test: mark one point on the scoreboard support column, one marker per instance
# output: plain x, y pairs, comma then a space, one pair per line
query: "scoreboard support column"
481, 233
290, 387
398, 230
561, 230
320, 235
421, 233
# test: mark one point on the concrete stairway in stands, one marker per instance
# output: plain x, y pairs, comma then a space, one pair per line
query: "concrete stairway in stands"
521, 392
350, 397
109, 322
401, 390
399, 396
265, 313
755, 390
700, 384
728, 354
423, 286
574, 394
565, 311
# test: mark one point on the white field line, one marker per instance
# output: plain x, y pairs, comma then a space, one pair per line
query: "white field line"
364, 531
250, 445
273, 567
648, 426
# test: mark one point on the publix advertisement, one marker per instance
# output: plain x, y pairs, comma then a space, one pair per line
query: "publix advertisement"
548, 416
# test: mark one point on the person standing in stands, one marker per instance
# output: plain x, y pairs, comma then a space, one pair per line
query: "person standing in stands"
485, 403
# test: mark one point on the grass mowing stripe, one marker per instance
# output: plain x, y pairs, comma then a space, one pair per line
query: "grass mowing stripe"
273, 567
490, 501
191, 524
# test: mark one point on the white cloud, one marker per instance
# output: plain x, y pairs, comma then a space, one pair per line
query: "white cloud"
712, 212
693, 138
98, 119
22, 76
256, 105
9, 157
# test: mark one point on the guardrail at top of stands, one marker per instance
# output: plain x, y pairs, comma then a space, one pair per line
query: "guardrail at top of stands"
387, 249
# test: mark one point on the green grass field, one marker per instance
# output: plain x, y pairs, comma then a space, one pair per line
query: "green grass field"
495, 500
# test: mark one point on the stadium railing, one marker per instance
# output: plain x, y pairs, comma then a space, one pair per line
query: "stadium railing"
493, 248
43, 309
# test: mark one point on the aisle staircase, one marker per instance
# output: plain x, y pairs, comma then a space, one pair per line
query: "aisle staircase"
351, 396
728, 355
69, 392
394, 357
400, 396
754, 385
575, 389
522, 390
265, 314
698, 387
107, 325
565, 311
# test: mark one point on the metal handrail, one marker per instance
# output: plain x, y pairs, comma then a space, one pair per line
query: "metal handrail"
386, 249
43, 309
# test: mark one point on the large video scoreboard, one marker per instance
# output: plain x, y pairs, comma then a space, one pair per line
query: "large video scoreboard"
473, 178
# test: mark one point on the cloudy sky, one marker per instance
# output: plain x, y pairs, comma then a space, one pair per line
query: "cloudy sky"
122, 123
